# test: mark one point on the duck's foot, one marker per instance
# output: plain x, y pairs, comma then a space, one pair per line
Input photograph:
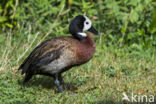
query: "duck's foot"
58, 83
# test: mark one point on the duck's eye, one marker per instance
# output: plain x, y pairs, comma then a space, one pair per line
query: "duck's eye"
87, 23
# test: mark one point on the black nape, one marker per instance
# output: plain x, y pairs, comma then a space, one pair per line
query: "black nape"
79, 37
76, 26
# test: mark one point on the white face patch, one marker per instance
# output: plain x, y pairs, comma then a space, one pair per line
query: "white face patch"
87, 24
82, 34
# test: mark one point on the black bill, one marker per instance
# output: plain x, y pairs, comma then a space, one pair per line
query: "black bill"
94, 31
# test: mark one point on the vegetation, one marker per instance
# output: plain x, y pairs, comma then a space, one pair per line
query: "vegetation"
125, 58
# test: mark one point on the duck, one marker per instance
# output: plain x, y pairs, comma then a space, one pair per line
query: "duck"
57, 55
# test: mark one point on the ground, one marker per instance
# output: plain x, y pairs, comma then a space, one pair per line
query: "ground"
114, 70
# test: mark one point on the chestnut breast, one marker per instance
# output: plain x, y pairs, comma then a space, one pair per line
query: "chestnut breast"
85, 50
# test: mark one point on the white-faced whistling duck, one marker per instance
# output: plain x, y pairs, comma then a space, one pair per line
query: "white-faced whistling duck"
56, 55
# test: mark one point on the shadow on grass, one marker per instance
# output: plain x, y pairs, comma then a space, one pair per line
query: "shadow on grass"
113, 102
106, 102
46, 82
21, 102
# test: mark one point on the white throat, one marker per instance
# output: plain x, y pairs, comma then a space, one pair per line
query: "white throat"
82, 34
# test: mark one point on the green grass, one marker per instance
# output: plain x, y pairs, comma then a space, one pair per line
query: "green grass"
112, 71
115, 68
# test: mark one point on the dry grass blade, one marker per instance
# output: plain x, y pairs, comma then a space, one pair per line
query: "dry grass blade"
54, 24
50, 30
28, 47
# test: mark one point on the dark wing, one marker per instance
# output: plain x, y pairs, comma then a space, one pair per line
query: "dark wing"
43, 54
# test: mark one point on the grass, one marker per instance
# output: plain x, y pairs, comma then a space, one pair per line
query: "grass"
112, 71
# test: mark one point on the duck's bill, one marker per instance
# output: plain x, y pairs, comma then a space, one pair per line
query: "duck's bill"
94, 31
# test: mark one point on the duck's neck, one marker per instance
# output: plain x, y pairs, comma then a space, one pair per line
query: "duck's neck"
88, 41
85, 50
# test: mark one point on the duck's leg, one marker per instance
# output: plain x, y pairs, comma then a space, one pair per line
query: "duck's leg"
58, 82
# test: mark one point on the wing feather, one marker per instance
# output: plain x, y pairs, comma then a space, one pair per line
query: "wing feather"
43, 54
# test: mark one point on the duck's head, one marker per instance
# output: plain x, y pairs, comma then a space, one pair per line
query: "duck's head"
79, 25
